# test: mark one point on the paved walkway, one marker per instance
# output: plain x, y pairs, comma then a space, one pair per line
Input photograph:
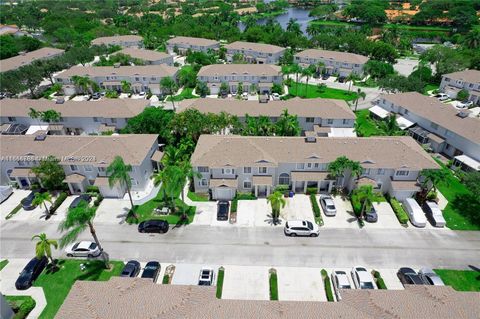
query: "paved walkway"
9, 275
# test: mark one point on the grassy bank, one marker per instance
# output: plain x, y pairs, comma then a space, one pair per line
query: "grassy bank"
312, 91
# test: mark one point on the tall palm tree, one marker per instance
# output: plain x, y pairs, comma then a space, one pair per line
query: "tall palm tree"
287, 125
172, 178
168, 85
42, 199
82, 82
389, 126
365, 196
78, 219
119, 172
307, 73
277, 202
320, 66
360, 94
294, 27
297, 69
341, 164
34, 114
350, 78
44, 246
126, 87
472, 39
429, 181
172, 156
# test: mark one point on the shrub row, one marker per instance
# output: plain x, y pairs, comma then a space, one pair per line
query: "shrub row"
14, 211
98, 200
316, 209
245, 196
60, 199
221, 274
21, 305
399, 211
311, 190
273, 285
379, 279
233, 208
356, 204
93, 189
328, 285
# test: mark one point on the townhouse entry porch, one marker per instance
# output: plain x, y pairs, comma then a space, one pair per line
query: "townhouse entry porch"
303, 180
263, 185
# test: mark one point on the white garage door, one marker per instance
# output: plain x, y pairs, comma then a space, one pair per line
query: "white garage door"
214, 89
223, 193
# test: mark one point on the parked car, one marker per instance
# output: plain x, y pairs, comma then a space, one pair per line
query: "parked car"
325, 76
464, 104
442, 96
83, 249
131, 269
408, 276
434, 214
371, 216
5, 192
31, 272
151, 270
341, 79
27, 202
301, 228
153, 226
328, 205
206, 277
415, 213
430, 277
77, 200
340, 281
223, 208
362, 278
142, 94
244, 96
96, 96
275, 96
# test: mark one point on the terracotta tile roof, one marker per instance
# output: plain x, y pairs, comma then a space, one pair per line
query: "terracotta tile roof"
192, 41
107, 108
333, 55
373, 152
435, 111
121, 298
471, 76
252, 46
324, 108
157, 71
117, 39
27, 58
143, 54
240, 69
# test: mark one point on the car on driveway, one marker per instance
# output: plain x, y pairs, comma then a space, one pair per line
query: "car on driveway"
275, 96
408, 276
328, 206
206, 277
96, 96
430, 277
27, 202
153, 226
151, 270
340, 281
371, 216
442, 96
434, 214
83, 249
325, 76
31, 272
362, 278
78, 199
414, 212
223, 208
131, 269
301, 228
245, 96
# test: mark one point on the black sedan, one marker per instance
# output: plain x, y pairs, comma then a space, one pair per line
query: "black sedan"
27, 202
222, 210
151, 270
408, 276
77, 200
131, 269
153, 226
30, 273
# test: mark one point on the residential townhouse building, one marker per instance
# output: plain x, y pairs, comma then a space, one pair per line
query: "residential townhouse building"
335, 62
253, 77
125, 41
142, 78
334, 115
150, 57
183, 44
469, 80
27, 58
228, 163
443, 128
259, 53
77, 118
83, 158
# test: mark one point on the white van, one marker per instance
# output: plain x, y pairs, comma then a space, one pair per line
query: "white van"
415, 212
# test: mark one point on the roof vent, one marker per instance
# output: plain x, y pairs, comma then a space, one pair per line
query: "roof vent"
41, 137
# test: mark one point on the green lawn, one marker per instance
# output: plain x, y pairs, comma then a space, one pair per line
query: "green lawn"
220, 277
21, 305
184, 95
326, 93
461, 280
197, 197
57, 285
3, 263
430, 87
365, 126
273, 286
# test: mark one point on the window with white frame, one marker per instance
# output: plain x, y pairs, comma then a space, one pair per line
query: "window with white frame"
284, 179
366, 171
300, 165
203, 169
381, 171
309, 119
262, 170
101, 169
345, 121
309, 165
401, 173
316, 165
227, 171
203, 182
74, 168
247, 184
247, 170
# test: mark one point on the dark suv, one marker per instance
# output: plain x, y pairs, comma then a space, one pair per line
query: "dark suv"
222, 210
27, 202
31, 272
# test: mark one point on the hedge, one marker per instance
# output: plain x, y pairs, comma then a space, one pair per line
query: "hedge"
14, 211
273, 285
379, 279
311, 190
233, 208
328, 285
166, 279
245, 196
60, 199
356, 204
399, 211
93, 189
316, 209
98, 200
221, 275
282, 189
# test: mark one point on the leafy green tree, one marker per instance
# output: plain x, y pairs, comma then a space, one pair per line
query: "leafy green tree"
42, 199
472, 181
126, 87
50, 173
224, 89
78, 219
462, 95
172, 178
187, 77
277, 202
8, 47
377, 69
446, 60
43, 247
287, 125
202, 89
119, 172
258, 126
50, 116
383, 52
372, 12
389, 126
472, 39
169, 87
152, 120
82, 83
30, 77
34, 114
365, 196
360, 94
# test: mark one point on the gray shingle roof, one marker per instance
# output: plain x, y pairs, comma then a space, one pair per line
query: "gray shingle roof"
116, 39
143, 54
158, 71
471, 76
192, 41
27, 58
333, 55
259, 47
240, 69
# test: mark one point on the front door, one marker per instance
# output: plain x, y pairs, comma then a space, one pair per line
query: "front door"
262, 190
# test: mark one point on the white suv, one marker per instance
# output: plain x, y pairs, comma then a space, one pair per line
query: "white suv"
301, 228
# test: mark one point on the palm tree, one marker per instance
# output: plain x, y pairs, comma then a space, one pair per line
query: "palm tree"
295, 68
472, 39
320, 66
44, 246
287, 70
34, 114
168, 85
118, 172
172, 156
307, 72
338, 167
82, 82
126, 87
172, 179
389, 126
42, 199
287, 125
294, 27
365, 196
277, 202
429, 181
360, 94
350, 78
78, 219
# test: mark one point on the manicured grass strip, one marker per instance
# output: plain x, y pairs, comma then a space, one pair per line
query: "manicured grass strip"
184, 95
379, 280
221, 275
21, 305
197, 197
430, 87
57, 285
3, 263
461, 280
327, 285
399, 211
316, 210
364, 125
273, 284
326, 92
14, 211
234, 206
166, 279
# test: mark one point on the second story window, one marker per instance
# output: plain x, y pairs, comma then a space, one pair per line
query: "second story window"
310, 119
381, 171
329, 121
401, 173
11, 119
262, 170
300, 165
247, 170
74, 168
227, 171
434, 125
203, 169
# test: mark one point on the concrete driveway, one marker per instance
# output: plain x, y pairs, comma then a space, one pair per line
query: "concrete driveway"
62, 211
345, 218
246, 283
112, 211
188, 274
386, 217
298, 207
390, 278
11, 202
300, 284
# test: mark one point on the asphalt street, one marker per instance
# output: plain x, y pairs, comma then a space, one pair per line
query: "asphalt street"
264, 246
